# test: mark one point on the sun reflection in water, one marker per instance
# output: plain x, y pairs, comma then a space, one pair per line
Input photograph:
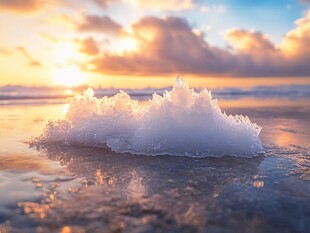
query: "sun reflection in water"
258, 184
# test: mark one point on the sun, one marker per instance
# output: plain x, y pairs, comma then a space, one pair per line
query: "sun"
70, 76
67, 74
65, 51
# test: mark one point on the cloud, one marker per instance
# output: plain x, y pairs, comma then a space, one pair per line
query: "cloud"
29, 6
48, 37
305, 1
32, 62
21, 6
171, 5
219, 9
5, 51
102, 24
170, 46
296, 42
290, 58
249, 41
296, 47
166, 46
104, 3
263, 58
83, 4
88, 46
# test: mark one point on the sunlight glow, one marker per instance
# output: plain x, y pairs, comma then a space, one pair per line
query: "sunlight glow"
65, 51
69, 92
125, 45
68, 76
65, 108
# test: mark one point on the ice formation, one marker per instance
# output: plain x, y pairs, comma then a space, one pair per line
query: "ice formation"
181, 122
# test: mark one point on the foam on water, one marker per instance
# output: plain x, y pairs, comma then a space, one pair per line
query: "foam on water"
181, 122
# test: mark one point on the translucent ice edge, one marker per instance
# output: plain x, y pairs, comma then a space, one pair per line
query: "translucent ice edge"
181, 122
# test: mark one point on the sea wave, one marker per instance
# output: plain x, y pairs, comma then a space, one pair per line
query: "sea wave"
181, 122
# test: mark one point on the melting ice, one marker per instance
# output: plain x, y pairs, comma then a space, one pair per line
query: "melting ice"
181, 122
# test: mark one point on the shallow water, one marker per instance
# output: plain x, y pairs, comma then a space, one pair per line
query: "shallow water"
80, 189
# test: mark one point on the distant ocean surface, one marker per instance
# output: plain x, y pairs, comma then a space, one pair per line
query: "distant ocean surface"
33, 95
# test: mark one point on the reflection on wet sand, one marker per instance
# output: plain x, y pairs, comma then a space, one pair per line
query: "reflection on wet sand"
22, 162
96, 190
283, 126
125, 192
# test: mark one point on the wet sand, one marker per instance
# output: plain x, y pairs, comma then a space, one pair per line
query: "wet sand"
80, 189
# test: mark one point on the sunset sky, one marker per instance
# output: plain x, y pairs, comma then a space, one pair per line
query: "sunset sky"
139, 43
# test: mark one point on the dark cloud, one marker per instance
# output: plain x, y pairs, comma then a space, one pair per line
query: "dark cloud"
21, 6
102, 24
32, 62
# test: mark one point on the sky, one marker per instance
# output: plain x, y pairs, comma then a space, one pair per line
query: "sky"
141, 43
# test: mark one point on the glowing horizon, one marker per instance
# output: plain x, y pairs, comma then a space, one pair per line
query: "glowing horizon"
145, 43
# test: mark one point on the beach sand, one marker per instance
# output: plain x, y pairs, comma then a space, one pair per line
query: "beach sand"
83, 189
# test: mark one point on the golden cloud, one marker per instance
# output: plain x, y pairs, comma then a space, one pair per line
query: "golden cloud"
21, 6
88, 46
100, 24
169, 45
171, 5
30, 59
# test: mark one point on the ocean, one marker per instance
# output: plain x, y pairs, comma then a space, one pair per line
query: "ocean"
90, 188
